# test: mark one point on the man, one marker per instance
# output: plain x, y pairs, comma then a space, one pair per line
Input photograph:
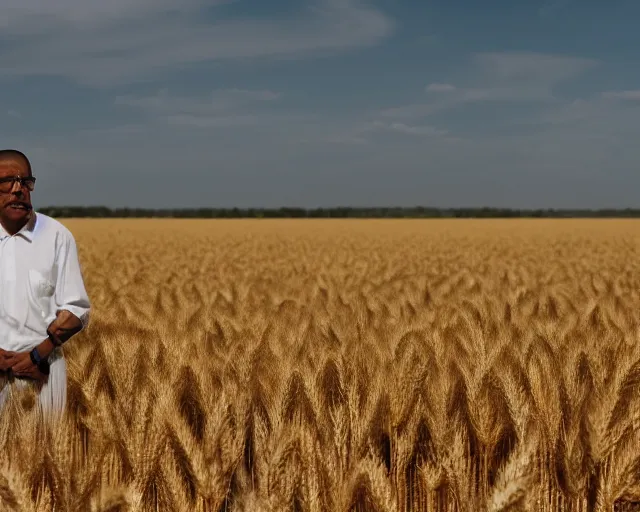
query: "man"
43, 301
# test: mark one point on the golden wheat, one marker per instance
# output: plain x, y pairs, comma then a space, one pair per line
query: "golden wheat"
343, 366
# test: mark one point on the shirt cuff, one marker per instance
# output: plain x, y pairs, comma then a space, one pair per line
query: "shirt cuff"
81, 313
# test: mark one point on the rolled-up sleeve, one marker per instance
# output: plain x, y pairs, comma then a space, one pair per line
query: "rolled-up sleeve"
70, 293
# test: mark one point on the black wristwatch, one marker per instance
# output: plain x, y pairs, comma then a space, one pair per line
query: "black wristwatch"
40, 362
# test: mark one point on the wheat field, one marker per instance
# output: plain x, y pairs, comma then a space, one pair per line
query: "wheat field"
343, 365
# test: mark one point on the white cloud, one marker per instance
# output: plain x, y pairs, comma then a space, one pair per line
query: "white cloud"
219, 100
33, 16
508, 77
359, 133
576, 111
14, 113
416, 110
590, 118
413, 130
222, 108
199, 121
499, 77
530, 67
633, 95
110, 43
440, 88
469, 95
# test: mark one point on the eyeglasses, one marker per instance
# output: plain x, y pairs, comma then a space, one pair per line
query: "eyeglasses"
6, 184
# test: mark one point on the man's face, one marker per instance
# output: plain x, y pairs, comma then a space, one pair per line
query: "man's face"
15, 205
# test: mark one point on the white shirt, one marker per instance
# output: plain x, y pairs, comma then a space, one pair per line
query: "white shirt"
40, 275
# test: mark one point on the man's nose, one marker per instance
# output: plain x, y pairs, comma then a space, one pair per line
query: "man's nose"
17, 189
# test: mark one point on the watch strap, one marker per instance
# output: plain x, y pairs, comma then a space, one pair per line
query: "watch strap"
39, 361
35, 356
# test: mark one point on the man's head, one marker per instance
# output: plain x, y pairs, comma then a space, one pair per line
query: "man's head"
15, 195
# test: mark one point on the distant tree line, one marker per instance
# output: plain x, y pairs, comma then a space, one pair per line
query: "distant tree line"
417, 212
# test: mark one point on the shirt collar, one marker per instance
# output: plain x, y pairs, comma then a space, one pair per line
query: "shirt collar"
27, 230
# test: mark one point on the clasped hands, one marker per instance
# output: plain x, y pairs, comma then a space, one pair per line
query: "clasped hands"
20, 365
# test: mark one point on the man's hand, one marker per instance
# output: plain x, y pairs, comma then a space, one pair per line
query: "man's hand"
65, 325
5, 362
22, 366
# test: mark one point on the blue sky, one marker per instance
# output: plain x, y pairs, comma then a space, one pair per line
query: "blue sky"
160, 103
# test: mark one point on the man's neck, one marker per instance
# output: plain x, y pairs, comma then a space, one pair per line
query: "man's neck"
14, 227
